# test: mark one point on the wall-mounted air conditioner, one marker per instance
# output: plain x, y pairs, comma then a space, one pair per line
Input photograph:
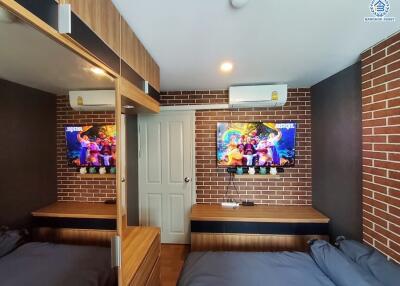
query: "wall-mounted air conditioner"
257, 96
92, 100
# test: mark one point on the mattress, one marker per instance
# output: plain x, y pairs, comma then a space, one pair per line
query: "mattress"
252, 269
48, 264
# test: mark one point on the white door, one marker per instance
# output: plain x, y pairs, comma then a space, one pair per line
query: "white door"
166, 173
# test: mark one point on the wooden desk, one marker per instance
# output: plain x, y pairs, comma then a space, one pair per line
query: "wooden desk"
76, 223
258, 228
78, 210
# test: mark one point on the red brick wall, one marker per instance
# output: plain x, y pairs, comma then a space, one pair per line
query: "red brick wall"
69, 186
381, 146
294, 186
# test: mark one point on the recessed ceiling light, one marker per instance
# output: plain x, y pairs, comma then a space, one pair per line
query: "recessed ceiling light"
128, 106
226, 67
97, 71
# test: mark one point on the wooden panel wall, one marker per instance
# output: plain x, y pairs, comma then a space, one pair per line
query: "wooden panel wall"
250, 242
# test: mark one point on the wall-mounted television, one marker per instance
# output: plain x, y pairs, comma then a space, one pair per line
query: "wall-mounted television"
256, 144
91, 145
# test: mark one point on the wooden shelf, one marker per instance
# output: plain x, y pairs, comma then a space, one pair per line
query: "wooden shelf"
258, 176
258, 213
78, 210
97, 176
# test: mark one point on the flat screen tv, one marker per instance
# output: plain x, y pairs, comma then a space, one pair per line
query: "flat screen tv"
91, 145
257, 144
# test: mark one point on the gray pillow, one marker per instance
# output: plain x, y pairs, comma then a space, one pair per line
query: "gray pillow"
10, 240
372, 261
340, 269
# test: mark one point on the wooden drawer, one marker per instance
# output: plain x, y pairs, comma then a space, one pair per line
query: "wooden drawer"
145, 270
154, 279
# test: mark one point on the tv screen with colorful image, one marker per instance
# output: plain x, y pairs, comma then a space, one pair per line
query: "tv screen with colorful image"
91, 145
256, 144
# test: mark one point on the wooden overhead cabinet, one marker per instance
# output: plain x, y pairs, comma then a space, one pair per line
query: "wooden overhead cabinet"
105, 20
152, 72
132, 51
102, 17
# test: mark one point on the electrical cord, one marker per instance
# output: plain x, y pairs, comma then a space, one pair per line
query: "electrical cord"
232, 183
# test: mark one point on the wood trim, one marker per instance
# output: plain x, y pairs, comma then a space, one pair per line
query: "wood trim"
250, 242
74, 236
257, 213
142, 101
120, 223
78, 210
64, 40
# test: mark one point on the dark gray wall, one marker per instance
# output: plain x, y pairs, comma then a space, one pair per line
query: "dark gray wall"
27, 152
336, 151
132, 170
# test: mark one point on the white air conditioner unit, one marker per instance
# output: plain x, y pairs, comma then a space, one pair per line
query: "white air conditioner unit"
257, 96
92, 100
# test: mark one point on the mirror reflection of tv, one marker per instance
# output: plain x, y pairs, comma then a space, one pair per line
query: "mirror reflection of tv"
91, 145
256, 144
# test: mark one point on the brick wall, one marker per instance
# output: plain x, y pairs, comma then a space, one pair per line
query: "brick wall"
381, 146
69, 186
294, 186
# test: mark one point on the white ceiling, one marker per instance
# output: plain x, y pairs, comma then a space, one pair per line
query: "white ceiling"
30, 58
269, 41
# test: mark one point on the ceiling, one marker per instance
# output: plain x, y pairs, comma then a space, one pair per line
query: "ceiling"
30, 58
269, 41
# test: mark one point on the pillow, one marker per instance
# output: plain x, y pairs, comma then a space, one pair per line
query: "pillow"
10, 240
340, 269
372, 261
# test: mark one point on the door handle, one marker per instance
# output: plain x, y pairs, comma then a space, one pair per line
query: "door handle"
187, 179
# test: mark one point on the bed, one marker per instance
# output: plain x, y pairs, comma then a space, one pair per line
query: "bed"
324, 265
252, 268
48, 264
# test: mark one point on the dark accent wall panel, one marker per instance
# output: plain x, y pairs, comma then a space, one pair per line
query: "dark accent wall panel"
27, 152
132, 169
336, 151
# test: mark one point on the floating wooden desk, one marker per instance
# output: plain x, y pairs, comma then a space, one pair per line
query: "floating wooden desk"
257, 228
78, 210
76, 223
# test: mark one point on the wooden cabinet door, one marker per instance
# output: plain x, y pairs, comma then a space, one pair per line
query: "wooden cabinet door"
102, 17
152, 72
132, 50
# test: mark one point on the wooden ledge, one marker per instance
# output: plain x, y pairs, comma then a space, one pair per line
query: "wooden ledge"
258, 176
78, 210
258, 213
97, 176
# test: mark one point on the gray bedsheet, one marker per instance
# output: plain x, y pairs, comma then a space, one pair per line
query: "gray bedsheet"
252, 269
48, 264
